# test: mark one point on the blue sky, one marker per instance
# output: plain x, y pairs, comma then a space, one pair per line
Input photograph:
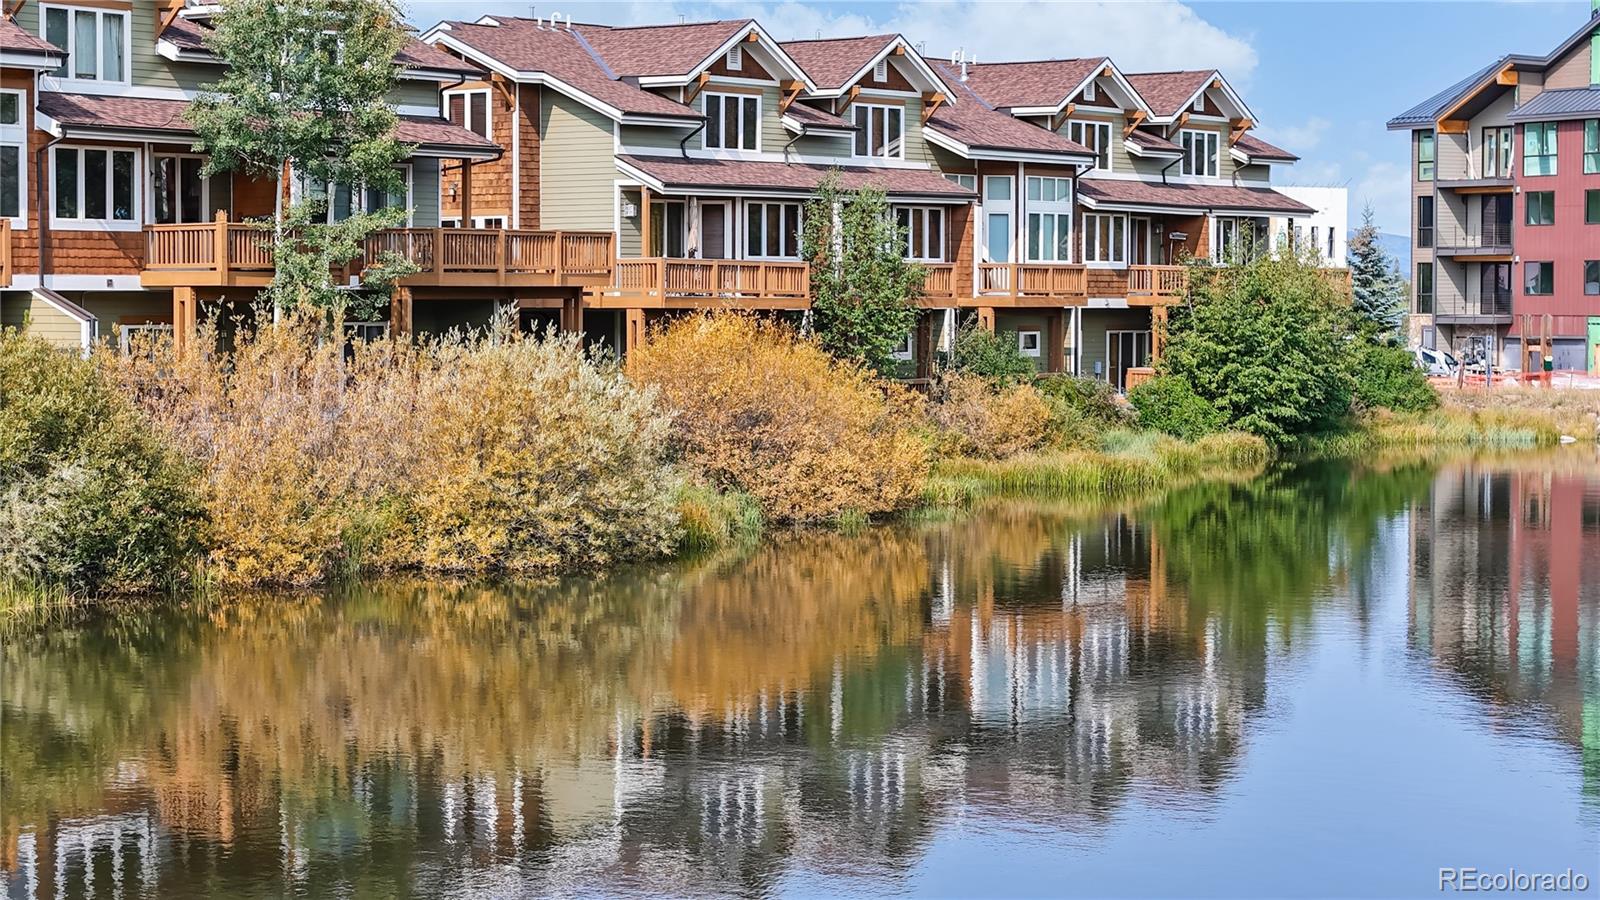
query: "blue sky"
1322, 78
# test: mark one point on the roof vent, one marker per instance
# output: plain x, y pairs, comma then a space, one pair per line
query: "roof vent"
960, 58
880, 72
736, 58
1089, 91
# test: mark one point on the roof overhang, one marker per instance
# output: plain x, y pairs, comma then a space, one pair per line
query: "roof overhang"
1002, 154
1197, 209
702, 190
1214, 82
802, 128
31, 59
899, 47
753, 33
1502, 76
1130, 99
1248, 160
1142, 151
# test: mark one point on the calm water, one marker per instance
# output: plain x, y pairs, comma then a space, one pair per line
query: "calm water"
1324, 682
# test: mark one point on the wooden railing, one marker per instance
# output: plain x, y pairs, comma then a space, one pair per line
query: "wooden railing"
720, 279
5, 252
1045, 281
219, 247
1158, 282
938, 281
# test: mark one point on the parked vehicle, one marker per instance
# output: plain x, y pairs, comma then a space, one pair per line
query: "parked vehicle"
1438, 363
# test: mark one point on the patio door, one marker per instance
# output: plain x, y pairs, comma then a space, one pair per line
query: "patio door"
716, 229
998, 231
1125, 350
1143, 247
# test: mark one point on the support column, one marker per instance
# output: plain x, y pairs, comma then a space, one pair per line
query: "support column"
400, 312
632, 330
183, 319
572, 314
1055, 342
644, 221
466, 193
922, 347
1158, 333
986, 318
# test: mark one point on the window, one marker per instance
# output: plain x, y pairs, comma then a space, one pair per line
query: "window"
1097, 137
182, 195
1424, 221
365, 332
1496, 155
880, 131
733, 122
1241, 239
772, 231
1538, 278
96, 41
346, 200
477, 222
96, 186
145, 336
1541, 208
1591, 278
902, 350
668, 234
1591, 147
1330, 243
1315, 238
1424, 155
13, 153
470, 110
1425, 288
997, 217
1591, 207
1105, 239
1028, 343
970, 182
924, 231
1200, 153
1539, 148
1049, 219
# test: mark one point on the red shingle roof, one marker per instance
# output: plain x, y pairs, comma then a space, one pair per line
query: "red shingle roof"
15, 38
1188, 196
564, 55
1039, 83
189, 34
1166, 92
1153, 142
799, 178
812, 117
831, 61
1256, 148
972, 122
641, 51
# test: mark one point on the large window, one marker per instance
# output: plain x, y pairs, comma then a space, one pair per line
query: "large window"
1424, 222
1049, 219
1539, 148
13, 154
924, 230
1424, 155
772, 231
1497, 149
181, 194
733, 122
96, 41
1200, 150
1241, 238
470, 110
1591, 207
1538, 279
1591, 147
1541, 208
95, 186
668, 232
880, 131
970, 182
1425, 288
346, 200
1105, 239
1097, 137
1591, 278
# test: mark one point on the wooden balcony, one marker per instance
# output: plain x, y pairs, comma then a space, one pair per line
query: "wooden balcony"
1028, 284
1157, 285
660, 283
223, 253
938, 284
5, 252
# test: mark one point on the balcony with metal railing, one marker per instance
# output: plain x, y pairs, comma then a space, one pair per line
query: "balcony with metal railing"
1476, 239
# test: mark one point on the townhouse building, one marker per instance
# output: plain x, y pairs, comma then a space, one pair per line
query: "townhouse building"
1505, 208
596, 178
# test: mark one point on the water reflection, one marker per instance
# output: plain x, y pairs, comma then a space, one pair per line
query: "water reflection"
820, 715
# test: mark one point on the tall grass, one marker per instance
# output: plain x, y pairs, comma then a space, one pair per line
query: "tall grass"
1450, 427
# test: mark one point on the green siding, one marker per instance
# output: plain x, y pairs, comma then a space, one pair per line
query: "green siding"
424, 192
577, 169
415, 93
654, 137
1009, 323
19, 309
629, 240
823, 146
1096, 322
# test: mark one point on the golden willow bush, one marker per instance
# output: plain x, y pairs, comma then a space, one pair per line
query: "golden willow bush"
991, 420
456, 455
764, 412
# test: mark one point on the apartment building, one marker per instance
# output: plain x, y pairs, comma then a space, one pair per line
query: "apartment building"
596, 178
1505, 199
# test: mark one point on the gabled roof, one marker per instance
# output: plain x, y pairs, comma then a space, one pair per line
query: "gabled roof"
972, 128
1168, 92
1255, 149
1108, 193
1424, 114
1040, 83
1563, 103
188, 37
662, 54
22, 48
560, 59
836, 64
699, 174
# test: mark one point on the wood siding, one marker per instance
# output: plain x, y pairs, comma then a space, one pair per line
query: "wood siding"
25, 241
527, 151
491, 181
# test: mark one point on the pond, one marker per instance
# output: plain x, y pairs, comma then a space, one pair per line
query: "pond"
1330, 680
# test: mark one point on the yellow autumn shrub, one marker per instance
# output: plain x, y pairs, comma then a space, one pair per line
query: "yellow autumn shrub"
762, 411
976, 417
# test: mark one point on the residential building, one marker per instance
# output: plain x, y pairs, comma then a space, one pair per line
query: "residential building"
1325, 229
1505, 199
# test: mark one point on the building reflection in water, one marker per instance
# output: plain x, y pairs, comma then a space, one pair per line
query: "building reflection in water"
824, 704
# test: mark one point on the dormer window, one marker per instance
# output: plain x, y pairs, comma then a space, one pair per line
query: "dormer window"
735, 59
96, 41
1096, 136
880, 131
1200, 153
470, 110
880, 72
733, 121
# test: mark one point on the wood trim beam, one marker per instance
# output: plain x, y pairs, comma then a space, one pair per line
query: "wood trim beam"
1060, 119
1470, 94
16, 7
1134, 121
1237, 128
1506, 76
694, 89
752, 36
1182, 120
173, 7
930, 104
1451, 126
499, 83
791, 91
849, 98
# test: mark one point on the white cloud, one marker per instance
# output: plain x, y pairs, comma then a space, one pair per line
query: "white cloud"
1299, 139
1156, 35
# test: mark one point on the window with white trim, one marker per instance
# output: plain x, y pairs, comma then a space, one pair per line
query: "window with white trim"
470, 110
733, 121
902, 350
182, 194
477, 222
924, 230
346, 200
1240, 238
13, 155
95, 187
144, 336
1200, 152
970, 182
880, 131
772, 231
1049, 219
1105, 238
1029, 342
96, 41
1097, 137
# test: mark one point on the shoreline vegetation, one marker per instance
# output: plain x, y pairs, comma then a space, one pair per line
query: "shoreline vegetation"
290, 459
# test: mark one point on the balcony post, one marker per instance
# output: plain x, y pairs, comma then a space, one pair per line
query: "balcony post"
986, 318
220, 246
632, 330
500, 253
922, 348
438, 253
182, 309
561, 257
400, 308
1056, 342
466, 193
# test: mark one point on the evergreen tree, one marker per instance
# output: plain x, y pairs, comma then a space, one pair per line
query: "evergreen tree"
305, 95
1377, 289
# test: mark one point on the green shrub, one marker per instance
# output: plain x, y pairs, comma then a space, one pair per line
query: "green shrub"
1169, 404
1387, 376
987, 354
91, 498
1081, 409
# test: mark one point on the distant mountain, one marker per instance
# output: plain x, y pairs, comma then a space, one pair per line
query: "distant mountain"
1399, 247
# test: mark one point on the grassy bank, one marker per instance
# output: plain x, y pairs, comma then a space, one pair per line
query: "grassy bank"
1506, 419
